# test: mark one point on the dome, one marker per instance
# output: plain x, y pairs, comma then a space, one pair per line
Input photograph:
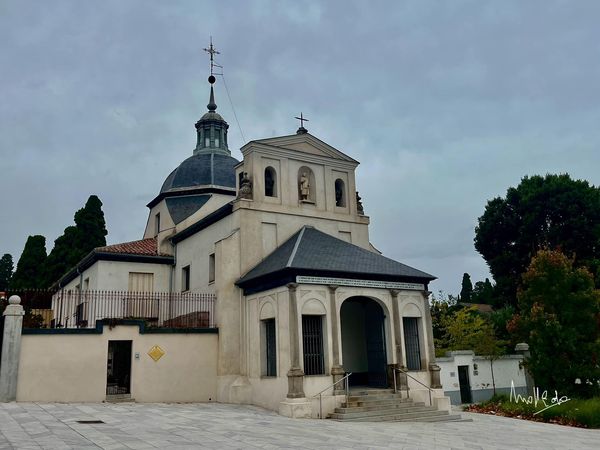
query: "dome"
202, 169
211, 115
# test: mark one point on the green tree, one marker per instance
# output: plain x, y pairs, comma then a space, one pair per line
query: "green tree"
63, 256
91, 226
77, 241
440, 308
483, 292
30, 268
466, 288
560, 319
6, 271
553, 211
466, 329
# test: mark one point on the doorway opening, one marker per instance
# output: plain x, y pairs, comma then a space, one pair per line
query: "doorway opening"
465, 384
118, 368
363, 342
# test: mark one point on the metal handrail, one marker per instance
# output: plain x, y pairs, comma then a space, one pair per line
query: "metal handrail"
408, 375
320, 394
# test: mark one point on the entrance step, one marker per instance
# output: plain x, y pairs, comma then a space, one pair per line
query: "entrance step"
384, 405
119, 398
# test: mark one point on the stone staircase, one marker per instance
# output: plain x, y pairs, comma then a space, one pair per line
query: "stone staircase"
383, 405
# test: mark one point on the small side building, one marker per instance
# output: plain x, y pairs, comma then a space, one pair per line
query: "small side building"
470, 378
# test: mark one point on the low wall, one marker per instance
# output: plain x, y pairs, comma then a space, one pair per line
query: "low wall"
71, 366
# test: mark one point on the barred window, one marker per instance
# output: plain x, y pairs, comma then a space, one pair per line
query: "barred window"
269, 348
312, 343
411, 343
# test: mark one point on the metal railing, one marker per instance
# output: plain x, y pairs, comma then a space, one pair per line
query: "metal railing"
82, 309
320, 394
396, 369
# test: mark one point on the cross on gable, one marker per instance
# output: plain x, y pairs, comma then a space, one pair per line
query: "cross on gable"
302, 120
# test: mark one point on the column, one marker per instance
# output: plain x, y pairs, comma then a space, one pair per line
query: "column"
11, 349
434, 369
401, 379
337, 371
295, 374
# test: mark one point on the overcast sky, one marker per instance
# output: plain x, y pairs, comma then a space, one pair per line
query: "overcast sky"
446, 104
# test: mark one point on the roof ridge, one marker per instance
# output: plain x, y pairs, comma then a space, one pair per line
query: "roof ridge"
295, 249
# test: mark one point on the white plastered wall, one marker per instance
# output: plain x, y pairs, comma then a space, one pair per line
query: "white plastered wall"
114, 275
73, 367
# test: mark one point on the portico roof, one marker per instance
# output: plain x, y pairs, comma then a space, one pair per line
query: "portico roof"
312, 252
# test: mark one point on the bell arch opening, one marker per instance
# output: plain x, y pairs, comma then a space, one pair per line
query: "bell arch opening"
363, 342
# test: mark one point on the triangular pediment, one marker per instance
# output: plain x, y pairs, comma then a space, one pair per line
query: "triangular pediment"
304, 143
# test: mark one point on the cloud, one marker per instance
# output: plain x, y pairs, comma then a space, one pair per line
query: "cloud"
446, 105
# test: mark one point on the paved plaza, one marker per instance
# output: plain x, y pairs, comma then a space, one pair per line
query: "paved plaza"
216, 426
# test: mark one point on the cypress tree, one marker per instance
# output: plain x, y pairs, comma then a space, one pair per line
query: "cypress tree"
30, 268
63, 256
91, 227
77, 241
6, 271
466, 289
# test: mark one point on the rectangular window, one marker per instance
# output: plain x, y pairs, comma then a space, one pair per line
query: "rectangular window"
156, 224
411, 343
211, 268
269, 348
141, 282
185, 279
140, 302
86, 284
312, 345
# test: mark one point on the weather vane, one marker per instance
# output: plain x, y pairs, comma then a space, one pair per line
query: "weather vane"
212, 51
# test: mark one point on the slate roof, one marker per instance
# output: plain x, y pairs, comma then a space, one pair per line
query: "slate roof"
201, 170
310, 250
141, 247
180, 208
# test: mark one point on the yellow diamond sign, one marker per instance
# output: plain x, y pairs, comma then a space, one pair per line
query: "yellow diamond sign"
156, 353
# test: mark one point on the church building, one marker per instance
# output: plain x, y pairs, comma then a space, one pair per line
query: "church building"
281, 239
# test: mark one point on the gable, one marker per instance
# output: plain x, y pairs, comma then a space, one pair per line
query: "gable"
303, 143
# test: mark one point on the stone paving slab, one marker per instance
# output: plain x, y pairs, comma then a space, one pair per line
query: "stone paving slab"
218, 426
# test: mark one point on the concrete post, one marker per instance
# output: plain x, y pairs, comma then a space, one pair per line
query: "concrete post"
11, 349
295, 374
522, 348
434, 369
337, 371
401, 379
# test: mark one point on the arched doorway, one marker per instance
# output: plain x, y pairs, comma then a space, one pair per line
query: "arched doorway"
363, 342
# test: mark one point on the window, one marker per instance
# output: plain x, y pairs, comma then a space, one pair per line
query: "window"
270, 182
312, 345
340, 193
411, 343
141, 282
211, 268
86, 284
185, 279
269, 366
156, 224
217, 135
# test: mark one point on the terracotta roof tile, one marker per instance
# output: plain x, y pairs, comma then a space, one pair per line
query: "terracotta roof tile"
142, 247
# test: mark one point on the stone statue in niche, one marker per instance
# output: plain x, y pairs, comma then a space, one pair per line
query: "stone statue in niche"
304, 187
245, 191
359, 205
